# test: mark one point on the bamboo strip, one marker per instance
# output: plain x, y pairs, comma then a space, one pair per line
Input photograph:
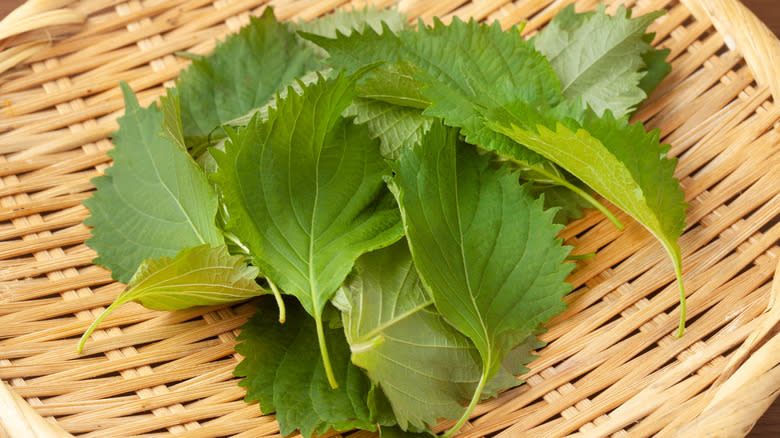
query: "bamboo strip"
34, 24
43, 205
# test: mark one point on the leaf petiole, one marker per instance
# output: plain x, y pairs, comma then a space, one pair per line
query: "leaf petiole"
681, 286
585, 256
122, 299
474, 400
279, 301
560, 180
324, 351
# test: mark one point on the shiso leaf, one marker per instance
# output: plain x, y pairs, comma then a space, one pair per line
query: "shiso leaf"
283, 371
619, 160
426, 368
599, 58
198, 276
484, 247
304, 193
153, 202
242, 73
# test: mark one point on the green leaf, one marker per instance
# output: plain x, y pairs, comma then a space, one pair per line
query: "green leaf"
467, 68
242, 73
656, 67
395, 84
568, 205
199, 276
391, 104
304, 193
598, 58
395, 126
171, 118
153, 202
282, 370
426, 368
482, 244
619, 160
346, 21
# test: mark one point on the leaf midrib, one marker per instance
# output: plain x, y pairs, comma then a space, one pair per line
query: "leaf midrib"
485, 354
165, 185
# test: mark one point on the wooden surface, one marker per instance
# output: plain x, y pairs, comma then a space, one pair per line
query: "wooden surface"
769, 12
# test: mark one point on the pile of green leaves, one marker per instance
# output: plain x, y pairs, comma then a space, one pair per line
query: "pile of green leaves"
395, 192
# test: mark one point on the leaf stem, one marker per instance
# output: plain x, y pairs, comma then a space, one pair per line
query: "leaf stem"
324, 351
474, 400
119, 301
279, 301
583, 194
681, 287
585, 256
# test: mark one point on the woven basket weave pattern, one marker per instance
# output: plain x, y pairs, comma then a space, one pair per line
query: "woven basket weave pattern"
612, 366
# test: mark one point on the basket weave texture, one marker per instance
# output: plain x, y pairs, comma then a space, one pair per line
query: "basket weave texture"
612, 366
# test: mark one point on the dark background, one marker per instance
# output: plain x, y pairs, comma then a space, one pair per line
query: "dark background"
769, 12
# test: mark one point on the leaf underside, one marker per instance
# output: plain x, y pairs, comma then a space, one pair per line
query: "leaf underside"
153, 202
426, 368
599, 59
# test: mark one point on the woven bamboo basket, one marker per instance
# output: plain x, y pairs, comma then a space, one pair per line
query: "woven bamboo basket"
612, 366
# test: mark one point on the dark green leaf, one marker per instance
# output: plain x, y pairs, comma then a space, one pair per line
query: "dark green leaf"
282, 370
244, 72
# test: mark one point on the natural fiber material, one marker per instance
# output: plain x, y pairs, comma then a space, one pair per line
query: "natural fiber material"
612, 366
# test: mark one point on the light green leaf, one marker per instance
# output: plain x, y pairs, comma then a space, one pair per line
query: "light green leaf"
171, 118
426, 368
199, 276
304, 193
283, 371
619, 160
483, 246
597, 57
153, 202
